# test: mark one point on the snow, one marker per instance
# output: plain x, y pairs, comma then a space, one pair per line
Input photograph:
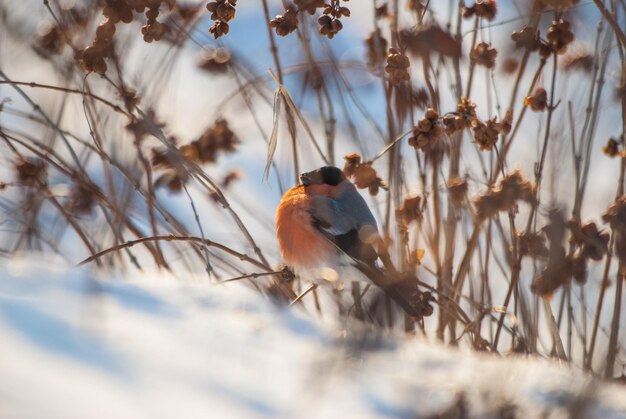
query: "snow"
78, 344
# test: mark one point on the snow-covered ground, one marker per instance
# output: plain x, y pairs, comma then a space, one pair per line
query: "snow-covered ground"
151, 346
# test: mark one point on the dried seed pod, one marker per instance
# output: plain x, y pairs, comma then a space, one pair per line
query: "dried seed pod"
411, 210
612, 148
286, 23
427, 131
363, 174
397, 66
484, 54
560, 36
505, 195
538, 102
527, 38
222, 12
486, 134
486, 9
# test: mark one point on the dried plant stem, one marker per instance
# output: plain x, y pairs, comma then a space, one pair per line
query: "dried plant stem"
191, 239
538, 177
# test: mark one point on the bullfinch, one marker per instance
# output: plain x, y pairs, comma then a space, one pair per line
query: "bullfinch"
324, 219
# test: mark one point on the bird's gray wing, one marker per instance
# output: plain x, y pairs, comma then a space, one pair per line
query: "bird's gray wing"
348, 211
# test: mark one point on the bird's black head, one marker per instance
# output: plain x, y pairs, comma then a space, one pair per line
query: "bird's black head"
328, 175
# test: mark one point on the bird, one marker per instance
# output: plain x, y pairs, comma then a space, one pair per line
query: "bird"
323, 221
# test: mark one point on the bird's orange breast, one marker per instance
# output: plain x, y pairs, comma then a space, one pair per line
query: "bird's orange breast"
301, 244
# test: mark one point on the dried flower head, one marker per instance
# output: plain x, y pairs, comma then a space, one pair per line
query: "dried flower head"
411, 210
362, 174
216, 138
538, 101
462, 118
504, 196
507, 123
527, 38
286, 23
222, 12
397, 66
593, 243
486, 9
484, 54
486, 134
427, 131
560, 36
613, 148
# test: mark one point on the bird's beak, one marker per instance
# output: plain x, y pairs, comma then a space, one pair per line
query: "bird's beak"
304, 178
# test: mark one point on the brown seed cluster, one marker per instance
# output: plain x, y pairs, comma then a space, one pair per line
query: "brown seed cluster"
560, 36
504, 196
329, 23
462, 118
363, 174
412, 210
484, 54
486, 133
486, 9
116, 11
397, 66
427, 131
222, 12
527, 38
591, 242
286, 23
613, 148
215, 139
538, 101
